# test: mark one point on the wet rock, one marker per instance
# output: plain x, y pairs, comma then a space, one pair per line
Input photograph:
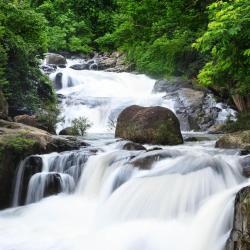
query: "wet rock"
240, 234
244, 152
245, 163
80, 66
53, 184
240, 140
32, 165
58, 81
171, 85
48, 69
55, 59
17, 141
153, 125
3, 106
132, 146
146, 160
153, 149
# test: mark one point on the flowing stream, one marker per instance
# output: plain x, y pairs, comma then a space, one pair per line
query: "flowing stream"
183, 199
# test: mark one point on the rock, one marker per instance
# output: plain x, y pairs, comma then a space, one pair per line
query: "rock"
171, 85
93, 66
216, 129
105, 63
244, 152
58, 81
240, 234
195, 108
80, 66
67, 131
146, 160
237, 140
132, 146
17, 141
31, 166
3, 106
55, 59
48, 69
245, 163
154, 125
26, 119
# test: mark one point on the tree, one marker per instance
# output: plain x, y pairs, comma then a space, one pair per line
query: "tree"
23, 40
157, 35
226, 44
80, 125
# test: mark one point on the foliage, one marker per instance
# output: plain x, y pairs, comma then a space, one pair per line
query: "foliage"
226, 43
240, 124
157, 35
74, 25
80, 125
48, 117
22, 42
19, 143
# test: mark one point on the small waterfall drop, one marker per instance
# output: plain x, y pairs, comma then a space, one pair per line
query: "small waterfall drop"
102, 197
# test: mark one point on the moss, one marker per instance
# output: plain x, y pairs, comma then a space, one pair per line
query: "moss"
165, 134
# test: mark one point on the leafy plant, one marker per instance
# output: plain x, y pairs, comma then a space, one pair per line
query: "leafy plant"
80, 125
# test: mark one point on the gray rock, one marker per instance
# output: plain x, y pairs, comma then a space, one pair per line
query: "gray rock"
58, 81
132, 146
240, 235
80, 66
55, 59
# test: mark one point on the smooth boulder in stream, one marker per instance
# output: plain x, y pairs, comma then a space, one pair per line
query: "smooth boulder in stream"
153, 125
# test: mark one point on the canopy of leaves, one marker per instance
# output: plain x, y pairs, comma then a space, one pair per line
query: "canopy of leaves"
226, 43
75, 24
157, 34
22, 42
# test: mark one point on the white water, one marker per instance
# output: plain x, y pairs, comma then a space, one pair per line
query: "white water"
101, 96
184, 201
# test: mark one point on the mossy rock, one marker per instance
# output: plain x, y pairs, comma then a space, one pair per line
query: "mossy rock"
153, 125
17, 141
237, 140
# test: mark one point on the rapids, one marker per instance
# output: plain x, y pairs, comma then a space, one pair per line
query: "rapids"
184, 201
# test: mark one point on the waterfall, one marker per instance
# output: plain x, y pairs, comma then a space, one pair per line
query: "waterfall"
101, 96
102, 197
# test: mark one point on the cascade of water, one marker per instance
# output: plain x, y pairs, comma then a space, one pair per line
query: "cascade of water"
183, 199
44, 184
42, 175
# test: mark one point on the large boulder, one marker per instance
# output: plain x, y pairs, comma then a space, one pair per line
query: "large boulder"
3, 106
237, 140
195, 107
17, 141
154, 125
240, 234
55, 59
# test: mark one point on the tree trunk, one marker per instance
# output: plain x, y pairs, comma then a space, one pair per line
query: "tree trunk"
242, 102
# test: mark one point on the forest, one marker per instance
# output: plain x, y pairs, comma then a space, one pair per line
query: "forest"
206, 41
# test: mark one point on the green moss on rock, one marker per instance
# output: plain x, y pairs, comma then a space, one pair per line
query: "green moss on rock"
154, 125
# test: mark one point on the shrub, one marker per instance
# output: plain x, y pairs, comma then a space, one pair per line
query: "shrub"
242, 123
80, 126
